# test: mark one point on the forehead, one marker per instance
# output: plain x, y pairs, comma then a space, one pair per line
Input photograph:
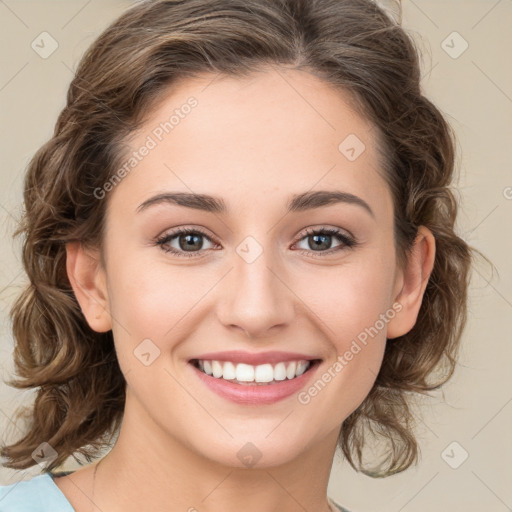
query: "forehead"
277, 131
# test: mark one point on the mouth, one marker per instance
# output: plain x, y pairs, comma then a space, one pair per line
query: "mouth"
266, 374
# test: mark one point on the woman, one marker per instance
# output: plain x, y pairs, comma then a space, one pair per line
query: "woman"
242, 255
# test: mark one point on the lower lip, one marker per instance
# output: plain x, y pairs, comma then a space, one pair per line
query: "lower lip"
254, 394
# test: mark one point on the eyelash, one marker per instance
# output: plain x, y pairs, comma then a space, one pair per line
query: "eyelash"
347, 241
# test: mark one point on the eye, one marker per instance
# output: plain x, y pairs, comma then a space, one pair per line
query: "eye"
189, 241
322, 239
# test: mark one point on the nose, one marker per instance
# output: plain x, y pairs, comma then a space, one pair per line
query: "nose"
255, 297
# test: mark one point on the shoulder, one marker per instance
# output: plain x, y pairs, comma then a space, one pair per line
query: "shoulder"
39, 494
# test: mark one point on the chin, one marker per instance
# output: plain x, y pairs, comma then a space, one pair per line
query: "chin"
260, 453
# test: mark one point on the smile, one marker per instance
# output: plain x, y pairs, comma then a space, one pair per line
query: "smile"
262, 374
254, 378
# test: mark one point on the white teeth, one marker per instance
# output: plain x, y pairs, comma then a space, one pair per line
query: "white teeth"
301, 367
290, 371
262, 373
244, 372
217, 369
280, 371
229, 371
207, 366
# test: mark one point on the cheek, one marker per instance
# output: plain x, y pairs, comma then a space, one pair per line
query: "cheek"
350, 300
351, 307
149, 298
148, 306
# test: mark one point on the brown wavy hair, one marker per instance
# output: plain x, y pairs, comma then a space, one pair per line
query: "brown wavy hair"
354, 45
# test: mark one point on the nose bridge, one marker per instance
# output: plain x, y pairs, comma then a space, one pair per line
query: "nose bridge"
255, 296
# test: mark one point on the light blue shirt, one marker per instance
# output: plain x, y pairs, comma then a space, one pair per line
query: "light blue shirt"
41, 494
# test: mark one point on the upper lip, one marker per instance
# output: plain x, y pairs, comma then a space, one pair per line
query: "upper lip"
240, 356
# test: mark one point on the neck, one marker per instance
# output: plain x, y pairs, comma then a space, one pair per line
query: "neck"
148, 465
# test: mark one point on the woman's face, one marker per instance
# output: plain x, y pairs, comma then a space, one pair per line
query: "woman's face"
250, 277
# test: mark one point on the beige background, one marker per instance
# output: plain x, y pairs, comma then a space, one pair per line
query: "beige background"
474, 90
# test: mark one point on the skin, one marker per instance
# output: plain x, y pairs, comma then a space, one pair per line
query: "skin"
254, 142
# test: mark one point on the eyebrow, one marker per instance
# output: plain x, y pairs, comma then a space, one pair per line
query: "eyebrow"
297, 203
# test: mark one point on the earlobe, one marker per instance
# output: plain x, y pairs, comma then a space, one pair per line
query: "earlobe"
87, 278
414, 282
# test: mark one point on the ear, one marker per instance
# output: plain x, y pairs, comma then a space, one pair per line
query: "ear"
411, 283
88, 280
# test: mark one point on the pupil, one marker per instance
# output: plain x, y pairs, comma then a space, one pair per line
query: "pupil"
188, 242
324, 237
